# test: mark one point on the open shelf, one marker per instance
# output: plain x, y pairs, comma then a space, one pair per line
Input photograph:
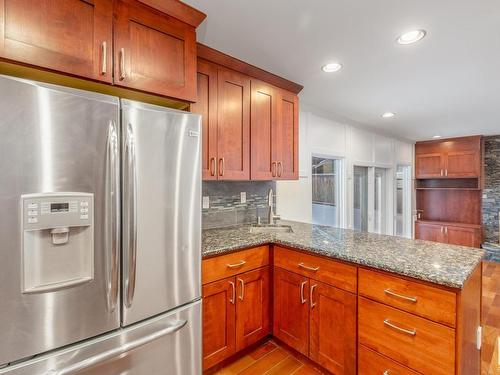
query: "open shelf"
448, 184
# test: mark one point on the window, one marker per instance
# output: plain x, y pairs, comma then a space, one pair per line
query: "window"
402, 215
327, 191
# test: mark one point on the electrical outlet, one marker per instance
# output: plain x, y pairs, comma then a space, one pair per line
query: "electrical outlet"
243, 197
206, 202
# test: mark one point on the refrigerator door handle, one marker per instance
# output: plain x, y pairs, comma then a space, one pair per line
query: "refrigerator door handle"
115, 352
131, 209
111, 221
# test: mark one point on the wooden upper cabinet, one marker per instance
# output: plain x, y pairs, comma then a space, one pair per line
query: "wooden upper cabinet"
332, 328
263, 131
287, 134
291, 309
206, 106
154, 52
72, 36
218, 321
253, 297
456, 157
233, 125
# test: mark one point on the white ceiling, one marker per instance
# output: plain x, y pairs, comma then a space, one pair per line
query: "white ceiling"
447, 84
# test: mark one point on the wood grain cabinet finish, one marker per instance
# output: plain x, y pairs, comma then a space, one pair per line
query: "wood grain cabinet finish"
332, 341
253, 300
219, 321
206, 106
291, 309
463, 236
233, 125
469, 236
72, 36
287, 134
422, 345
153, 51
430, 232
372, 363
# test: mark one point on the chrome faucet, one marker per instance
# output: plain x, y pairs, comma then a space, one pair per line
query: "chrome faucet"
272, 217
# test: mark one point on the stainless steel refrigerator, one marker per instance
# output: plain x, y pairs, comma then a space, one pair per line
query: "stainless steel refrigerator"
100, 230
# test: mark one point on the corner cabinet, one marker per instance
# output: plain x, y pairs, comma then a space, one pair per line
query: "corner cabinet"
153, 51
74, 36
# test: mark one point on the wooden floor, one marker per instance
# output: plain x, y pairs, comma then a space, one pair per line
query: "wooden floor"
270, 358
491, 313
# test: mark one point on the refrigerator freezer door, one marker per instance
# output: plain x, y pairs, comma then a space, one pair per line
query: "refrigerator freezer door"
56, 140
161, 209
169, 344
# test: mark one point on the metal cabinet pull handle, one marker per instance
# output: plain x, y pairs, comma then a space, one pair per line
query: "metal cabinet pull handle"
122, 64
442, 172
311, 296
112, 220
242, 283
212, 166
77, 367
233, 292
386, 372
313, 269
221, 167
280, 168
103, 58
442, 229
394, 294
273, 169
446, 172
446, 230
302, 299
411, 332
236, 265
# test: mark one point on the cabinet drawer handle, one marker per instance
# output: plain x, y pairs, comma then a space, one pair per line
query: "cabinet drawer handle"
312, 304
302, 299
273, 169
242, 283
394, 294
212, 166
221, 167
236, 265
313, 269
122, 64
387, 372
446, 172
233, 292
411, 332
103, 57
280, 168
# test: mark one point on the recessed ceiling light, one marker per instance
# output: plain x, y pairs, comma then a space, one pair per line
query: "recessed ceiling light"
436, 136
411, 36
388, 114
331, 67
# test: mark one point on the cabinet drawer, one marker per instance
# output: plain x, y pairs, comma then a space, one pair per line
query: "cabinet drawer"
418, 343
223, 266
328, 271
371, 363
432, 303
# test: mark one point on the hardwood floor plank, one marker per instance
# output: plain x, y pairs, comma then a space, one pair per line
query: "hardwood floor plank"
237, 366
262, 350
285, 367
265, 363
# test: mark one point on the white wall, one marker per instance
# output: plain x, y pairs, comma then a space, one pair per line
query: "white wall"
320, 135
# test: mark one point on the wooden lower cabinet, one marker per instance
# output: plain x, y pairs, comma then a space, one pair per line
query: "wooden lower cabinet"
253, 321
219, 320
462, 235
332, 339
430, 232
372, 363
291, 309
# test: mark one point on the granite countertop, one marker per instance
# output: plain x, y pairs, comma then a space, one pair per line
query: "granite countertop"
438, 263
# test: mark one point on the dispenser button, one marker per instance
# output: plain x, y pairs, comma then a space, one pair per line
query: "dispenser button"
84, 204
84, 210
84, 217
32, 220
32, 213
33, 206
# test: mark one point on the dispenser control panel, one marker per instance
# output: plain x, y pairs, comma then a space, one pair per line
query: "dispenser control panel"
41, 211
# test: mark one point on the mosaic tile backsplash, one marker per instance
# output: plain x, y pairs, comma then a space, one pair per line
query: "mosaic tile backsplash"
491, 194
226, 208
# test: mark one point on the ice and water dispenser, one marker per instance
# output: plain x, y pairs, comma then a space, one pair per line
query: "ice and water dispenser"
58, 240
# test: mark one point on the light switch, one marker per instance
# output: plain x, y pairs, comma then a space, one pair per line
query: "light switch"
243, 197
206, 202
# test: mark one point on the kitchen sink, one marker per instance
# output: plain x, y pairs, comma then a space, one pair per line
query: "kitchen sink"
270, 228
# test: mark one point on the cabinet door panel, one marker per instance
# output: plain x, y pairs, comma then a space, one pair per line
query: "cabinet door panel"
291, 309
154, 52
233, 125
66, 36
463, 164
206, 106
287, 130
429, 165
252, 307
430, 232
262, 134
218, 321
463, 236
333, 328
